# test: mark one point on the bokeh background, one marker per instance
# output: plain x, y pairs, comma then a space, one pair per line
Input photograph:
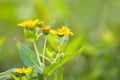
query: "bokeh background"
98, 21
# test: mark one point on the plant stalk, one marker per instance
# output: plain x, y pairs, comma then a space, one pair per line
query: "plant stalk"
44, 48
45, 77
37, 54
61, 43
59, 74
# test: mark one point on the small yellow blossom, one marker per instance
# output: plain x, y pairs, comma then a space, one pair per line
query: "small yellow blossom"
45, 28
62, 31
24, 70
29, 23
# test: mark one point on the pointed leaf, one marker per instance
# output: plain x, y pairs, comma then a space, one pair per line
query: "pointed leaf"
73, 45
28, 56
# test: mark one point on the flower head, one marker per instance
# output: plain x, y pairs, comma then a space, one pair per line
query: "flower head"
64, 30
45, 29
24, 70
29, 23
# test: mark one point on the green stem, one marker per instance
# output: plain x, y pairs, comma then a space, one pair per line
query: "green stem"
37, 29
45, 77
59, 75
20, 78
37, 54
43, 58
61, 43
39, 35
57, 56
56, 76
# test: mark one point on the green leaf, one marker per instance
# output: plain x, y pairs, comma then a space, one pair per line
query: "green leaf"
73, 45
49, 53
6, 74
48, 70
28, 56
52, 41
29, 35
52, 23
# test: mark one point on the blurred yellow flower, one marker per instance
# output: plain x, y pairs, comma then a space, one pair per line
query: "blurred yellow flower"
108, 37
24, 70
64, 30
29, 23
45, 28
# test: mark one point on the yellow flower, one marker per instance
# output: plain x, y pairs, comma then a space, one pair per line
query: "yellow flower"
29, 23
24, 70
62, 31
45, 28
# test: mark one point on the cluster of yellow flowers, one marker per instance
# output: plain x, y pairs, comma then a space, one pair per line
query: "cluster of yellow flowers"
64, 30
33, 29
24, 70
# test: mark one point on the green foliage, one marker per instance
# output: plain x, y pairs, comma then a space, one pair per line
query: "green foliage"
6, 74
74, 44
48, 70
58, 42
52, 23
29, 35
28, 56
92, 18
40, 76
52, 41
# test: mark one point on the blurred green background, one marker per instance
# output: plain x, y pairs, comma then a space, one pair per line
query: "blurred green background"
98, 21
